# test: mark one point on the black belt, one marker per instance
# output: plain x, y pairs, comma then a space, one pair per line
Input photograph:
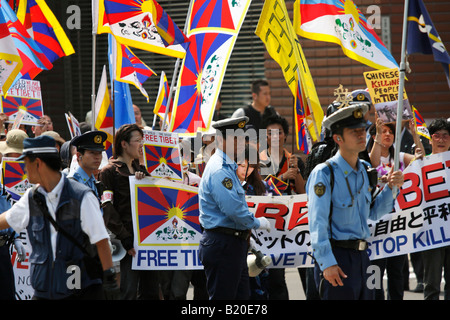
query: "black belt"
242, 234
360, 245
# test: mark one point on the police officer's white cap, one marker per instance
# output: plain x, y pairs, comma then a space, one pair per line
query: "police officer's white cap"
348, 117
231, 123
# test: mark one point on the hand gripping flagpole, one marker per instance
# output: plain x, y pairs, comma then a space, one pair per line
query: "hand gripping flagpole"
175, 73
401, 85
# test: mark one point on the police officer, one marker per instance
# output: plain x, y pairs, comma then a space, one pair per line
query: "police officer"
65, 227
90, 146
339, 202
225, 218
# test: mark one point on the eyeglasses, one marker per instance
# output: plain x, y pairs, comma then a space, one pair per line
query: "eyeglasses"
438, 136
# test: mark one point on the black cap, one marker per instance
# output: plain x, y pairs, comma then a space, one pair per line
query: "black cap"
231, 123
91, 140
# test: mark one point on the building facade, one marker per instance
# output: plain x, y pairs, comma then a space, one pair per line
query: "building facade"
68, 86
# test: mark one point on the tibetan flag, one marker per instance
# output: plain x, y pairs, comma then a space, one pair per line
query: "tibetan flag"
131, 69
165, 208
24, 96
123, 104
161, 102
341, 22
204, 67
14, 177
44, 28
103, 119
216, 15
421, 126
141, 24
34, 60
283, 46
10, 62
423, 36
279, 186
198, 83
163, 161
300, 121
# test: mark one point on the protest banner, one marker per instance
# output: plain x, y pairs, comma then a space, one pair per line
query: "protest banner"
73, 125
14, 178
166, 226
25, 95
22, 280
167, 230
162, 154
420, 221
421, 218
383, 88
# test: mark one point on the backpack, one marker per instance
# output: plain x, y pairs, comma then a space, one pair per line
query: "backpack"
320, 152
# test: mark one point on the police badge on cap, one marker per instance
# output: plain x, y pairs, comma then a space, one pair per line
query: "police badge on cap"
349, 117
231, 123
91, 140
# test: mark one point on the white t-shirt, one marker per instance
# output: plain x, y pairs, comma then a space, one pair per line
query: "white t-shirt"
91, 217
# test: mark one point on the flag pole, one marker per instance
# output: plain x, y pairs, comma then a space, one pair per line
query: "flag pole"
94, 56
175, 72
401, 85
94, 52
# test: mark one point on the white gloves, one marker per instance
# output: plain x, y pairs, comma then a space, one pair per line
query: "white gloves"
21, 253
264, 224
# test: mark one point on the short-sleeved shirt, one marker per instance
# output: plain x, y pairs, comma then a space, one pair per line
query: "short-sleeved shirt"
221, 196
349, 218
91, 218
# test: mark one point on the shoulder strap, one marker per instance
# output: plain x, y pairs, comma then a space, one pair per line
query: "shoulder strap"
331, 174
40, 201
331, 201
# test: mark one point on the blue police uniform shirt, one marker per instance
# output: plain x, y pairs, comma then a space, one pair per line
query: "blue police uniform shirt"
221, 197
81, 176
349, 218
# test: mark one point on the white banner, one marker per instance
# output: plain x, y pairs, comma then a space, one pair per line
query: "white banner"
421, 219
420, 222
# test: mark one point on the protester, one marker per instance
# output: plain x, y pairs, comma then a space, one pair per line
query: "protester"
434, 260
225, 218
382, 151
217, 115
13, 145
43, 124
341, 187
260, 107
138, 115
74, 213
277, 161
55, 135
253, 184
382, 158
117, 214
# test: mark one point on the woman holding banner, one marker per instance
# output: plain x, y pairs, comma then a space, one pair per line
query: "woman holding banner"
381, 148
434, 260
116, 204
381, 155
